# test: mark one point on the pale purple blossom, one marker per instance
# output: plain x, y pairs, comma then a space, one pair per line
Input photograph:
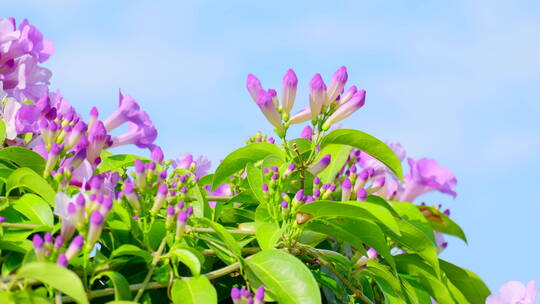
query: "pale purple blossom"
514, 292
290, 83
317, 95
425, 176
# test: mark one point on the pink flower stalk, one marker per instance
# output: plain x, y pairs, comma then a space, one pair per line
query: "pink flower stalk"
161, 196
346, 109
96, 226
181, 221
254, 86
426, 175
97, 141
514, 292
306, 133
336, 85
290, 83
75, 247
265, 103
321, 165
300, 117
317, 95
346, 187
128, 110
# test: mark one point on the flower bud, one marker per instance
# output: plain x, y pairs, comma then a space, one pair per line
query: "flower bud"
259, 295
321, 165
96, 226
62, 260
290, 83
346, 109
181, 221
160, 199
346, 187
38, 247
75, 247
236, 296
317, 95
336, 86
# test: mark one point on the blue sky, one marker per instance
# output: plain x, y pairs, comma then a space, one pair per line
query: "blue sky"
453, 80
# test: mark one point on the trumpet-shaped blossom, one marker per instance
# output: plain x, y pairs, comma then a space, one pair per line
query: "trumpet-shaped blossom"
222, 190
128, 110
268, 108
141, 132
317, 95
336, 85
201, 165
21, 51
346, 109
290, 83
514, 292
425, 176
321, 164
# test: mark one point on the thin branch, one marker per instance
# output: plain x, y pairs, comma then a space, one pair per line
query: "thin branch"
156, 285
210, 230
310, 251
213, 198
157, 256
20, 226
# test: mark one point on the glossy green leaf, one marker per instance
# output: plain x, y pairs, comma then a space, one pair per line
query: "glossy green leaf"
238, 160
368, 144
22, 296
414, 240
119, 282
132, 250
194, 290
117, 162
223, 234
26, 178
411, 213
352, 209
356, 232
187, 258
287, 279
442, 223
387, 282
35, 209
255, 181
468, 283
23, 157
56, 276
425, 275
339, 153
268, 234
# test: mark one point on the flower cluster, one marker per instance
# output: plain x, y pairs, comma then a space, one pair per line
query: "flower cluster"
53, 248
244, 296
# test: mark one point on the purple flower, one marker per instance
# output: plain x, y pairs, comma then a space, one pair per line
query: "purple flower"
128, 110
181, 221
317, 95
96, 226
348, 95
259, 295
253, 86
38, 246
346, 187
201, 165
290, 83
222, 190
160, 198
97, 141
141, 132
26, 119
302, 116
268, 108
66, 211
306, 133
361, 194
236, 296
514, 292
157, 154
346, 109
426, 175
321, 164
62, 260
337, 85
75, 247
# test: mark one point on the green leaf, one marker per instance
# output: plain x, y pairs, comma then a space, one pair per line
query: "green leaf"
117, 162
414, 240
356, 232
268, 234
189, 259
35, 209
389, 285
425, 275
238, 160
22, 296
352, 209
2, 131
470, 285
223, 234
132, 250
255, 180
23, 158
339, 153
368, 144
287, 279
58, 277
411, 213
24, 177
193, 291
442, 223
120, 284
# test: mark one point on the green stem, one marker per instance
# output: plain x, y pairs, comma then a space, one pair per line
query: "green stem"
155, 260
19, 226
